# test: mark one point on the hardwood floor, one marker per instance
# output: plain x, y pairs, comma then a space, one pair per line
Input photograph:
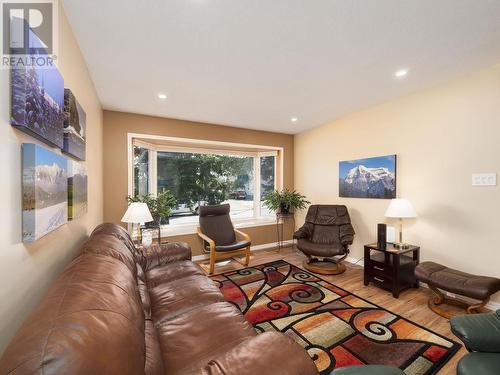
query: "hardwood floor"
412, 304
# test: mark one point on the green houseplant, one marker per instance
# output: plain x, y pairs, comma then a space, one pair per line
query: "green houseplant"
159, 206
285, 200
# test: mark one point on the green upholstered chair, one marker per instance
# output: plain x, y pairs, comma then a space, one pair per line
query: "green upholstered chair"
368, 370
480, 334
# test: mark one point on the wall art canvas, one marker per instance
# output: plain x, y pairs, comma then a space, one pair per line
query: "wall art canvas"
368, 178
38, 103
74, 126
77, 190
45, 191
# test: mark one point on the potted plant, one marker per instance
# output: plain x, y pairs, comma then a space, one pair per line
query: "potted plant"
159, 206
284, 201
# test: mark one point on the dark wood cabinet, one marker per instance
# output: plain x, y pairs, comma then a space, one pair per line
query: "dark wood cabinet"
390, 268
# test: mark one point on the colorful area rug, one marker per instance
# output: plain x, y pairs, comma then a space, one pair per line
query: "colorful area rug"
337, 328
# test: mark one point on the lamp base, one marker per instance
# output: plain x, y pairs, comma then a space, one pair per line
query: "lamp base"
401, 246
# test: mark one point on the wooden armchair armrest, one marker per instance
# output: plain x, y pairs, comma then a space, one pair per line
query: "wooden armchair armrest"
204, 237
243, 235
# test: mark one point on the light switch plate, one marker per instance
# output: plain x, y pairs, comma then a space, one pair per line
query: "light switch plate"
484, 179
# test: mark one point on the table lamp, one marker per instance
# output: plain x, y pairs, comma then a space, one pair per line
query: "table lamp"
400, 209
137, 213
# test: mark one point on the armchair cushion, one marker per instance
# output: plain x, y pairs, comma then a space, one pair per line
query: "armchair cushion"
479, 363
216, 224
479, 332
232, 247
319, 249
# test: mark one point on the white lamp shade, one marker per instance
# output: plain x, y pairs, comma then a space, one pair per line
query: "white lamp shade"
137, 213
400, 208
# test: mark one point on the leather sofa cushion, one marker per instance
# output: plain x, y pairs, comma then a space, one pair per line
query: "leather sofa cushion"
154, 361
473, 286
190, 340
182, 295
109, 245
118, 232
91, 314
172, 271
318, 249
267, 353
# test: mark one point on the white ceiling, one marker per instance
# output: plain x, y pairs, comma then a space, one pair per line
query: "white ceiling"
257, 63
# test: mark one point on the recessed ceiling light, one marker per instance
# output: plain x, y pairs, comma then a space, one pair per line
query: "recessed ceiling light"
401, 73
294, 119
162, 96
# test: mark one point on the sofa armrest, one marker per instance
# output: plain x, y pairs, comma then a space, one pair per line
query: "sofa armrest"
159, 255
479, 332
267, 353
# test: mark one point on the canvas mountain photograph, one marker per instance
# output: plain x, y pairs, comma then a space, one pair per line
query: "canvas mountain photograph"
77, 190
45, 191
368, 178
74, 126
38, 102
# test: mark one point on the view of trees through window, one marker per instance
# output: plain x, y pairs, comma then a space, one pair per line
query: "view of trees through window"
141, 171
197, 179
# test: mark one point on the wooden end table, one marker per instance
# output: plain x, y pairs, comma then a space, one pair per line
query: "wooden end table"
390, 268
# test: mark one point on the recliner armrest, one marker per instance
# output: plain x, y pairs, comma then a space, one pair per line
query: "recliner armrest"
267, 353
479, 332
303, 232
346, 234
159, 255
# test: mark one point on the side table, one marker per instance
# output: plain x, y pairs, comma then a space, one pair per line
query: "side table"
390, 268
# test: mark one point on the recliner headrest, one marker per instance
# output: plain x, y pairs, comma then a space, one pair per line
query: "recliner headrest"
217, 210
328, 215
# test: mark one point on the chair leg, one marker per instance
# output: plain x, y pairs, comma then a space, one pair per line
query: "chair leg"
212, 264
247, 259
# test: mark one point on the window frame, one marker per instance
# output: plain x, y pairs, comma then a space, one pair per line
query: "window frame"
157, 144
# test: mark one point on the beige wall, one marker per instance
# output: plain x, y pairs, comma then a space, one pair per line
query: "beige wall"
118, 124
441, 137
27, 270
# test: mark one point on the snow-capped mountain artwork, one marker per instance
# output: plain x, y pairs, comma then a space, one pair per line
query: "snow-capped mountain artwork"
45, 191
368, 178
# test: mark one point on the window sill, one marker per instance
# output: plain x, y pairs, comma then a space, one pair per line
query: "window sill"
186, 229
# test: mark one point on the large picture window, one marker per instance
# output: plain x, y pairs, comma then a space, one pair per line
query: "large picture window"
197, 177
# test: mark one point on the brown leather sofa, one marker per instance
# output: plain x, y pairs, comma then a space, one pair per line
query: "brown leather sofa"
119, 310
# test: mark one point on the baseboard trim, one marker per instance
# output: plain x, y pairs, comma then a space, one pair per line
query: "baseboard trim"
265, 246
492, 305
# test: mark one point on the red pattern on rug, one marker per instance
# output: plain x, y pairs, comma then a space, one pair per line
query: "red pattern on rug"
337, 328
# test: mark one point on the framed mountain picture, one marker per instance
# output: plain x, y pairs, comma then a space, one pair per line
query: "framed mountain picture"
368, 178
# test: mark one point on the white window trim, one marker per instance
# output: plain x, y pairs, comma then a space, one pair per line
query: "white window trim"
136, 139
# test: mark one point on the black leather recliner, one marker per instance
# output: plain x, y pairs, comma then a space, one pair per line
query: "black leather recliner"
481, 335
327, 234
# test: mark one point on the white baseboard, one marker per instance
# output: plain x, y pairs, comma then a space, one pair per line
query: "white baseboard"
266, 246
492, 305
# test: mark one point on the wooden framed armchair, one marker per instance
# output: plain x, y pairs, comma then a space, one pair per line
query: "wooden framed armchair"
220, 239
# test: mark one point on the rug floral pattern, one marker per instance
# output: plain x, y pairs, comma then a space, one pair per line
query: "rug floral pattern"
337, 328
